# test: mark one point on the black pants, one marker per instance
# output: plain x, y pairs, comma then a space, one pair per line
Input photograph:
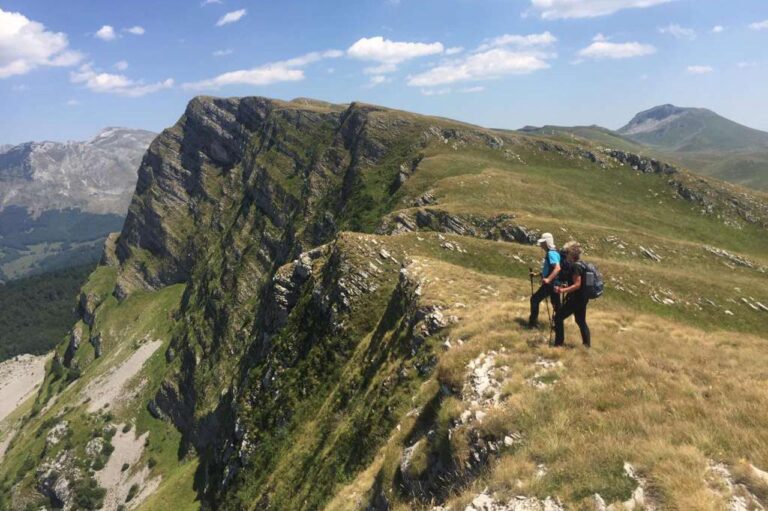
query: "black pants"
544, 292
578, 307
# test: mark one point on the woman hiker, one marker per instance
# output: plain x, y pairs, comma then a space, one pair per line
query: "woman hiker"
576, 300
550, 268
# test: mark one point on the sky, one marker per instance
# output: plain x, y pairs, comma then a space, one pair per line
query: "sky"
70, 68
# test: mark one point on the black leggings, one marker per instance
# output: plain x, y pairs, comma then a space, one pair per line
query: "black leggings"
578, 307
544, 292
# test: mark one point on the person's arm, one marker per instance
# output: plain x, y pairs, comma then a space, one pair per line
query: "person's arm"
573, 287
553, 274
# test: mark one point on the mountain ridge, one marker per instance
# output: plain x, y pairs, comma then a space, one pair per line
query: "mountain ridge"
317, 306
33, 174
695, 138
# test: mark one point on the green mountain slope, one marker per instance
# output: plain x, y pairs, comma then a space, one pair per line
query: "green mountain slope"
692, 130
704, 142
695, 138
316, 306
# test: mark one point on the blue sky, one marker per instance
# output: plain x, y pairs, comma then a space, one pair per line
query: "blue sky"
69, 68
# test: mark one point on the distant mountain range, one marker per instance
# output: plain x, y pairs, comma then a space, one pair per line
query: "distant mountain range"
59, 200
696, 138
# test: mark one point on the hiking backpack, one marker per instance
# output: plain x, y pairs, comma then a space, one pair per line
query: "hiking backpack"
593, 281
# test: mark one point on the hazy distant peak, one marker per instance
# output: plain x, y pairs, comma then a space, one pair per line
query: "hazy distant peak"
691, 129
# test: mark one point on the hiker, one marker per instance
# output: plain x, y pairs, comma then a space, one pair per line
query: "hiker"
577, 299
550, 269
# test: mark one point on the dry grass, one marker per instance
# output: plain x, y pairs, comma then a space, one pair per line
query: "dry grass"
664, 396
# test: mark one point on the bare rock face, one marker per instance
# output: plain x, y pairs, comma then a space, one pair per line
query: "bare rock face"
97, 176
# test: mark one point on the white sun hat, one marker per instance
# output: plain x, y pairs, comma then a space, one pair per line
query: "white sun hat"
548, 239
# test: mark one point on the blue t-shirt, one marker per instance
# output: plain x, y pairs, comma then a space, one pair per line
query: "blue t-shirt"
550, 261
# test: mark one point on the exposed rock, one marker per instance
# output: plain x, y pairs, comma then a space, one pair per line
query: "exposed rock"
75, 338
737, 495
650, 254
95, 341
647, 165
56, 434
639, 500
55, 480
97, 175
485, 502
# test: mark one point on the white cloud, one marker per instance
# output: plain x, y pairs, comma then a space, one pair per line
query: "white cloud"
135, 30
231, 17
520, 41
121, 65
266, 74
746, 64
21, 87
699, 70
209, 2
72, 102
26, 45
472, 90
556, 9
678, 32
435, 92
106, 33
381, 69
454, 50
312, 57
718, 29
759, 25
223, 53
107, 83
391, 52
377, 80
602, 48
485, 65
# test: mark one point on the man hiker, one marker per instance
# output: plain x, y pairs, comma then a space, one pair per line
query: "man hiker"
550, 268
577, 299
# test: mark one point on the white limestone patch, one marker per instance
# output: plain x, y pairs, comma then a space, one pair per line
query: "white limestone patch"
737, 496
109, 387
639, 499
19, 377
485, 502
118, 482
545, 368
483, 384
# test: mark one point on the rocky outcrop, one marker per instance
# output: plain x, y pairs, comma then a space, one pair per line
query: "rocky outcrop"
646, 165
502, 227
75, 339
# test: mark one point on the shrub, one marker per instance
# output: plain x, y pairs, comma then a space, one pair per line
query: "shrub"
132, 492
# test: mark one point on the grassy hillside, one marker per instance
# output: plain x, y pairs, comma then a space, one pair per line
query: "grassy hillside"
333, 319
589, 134
36, 312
